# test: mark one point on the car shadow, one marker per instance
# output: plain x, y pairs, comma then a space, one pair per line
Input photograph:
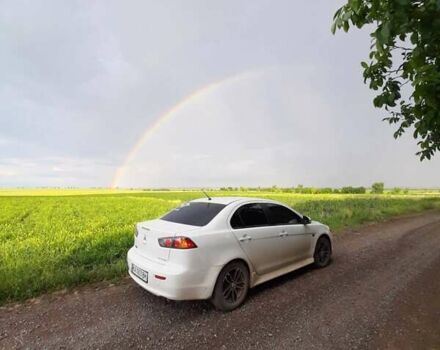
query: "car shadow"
280, 281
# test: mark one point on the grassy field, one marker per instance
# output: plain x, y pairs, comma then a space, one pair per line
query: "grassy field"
52, 239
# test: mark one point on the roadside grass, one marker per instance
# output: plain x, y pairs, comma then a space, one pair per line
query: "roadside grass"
50, 242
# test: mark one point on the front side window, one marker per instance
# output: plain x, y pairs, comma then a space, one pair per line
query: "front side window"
280, 215
194, 213
249, 215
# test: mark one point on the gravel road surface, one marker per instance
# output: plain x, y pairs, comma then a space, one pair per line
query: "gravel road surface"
382, 291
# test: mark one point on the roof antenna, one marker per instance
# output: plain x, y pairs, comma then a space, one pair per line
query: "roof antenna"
209, 198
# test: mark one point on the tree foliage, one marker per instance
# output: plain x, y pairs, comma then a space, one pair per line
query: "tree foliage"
351, 189
405, 50
377, 188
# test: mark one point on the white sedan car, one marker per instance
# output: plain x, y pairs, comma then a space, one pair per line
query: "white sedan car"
218, 248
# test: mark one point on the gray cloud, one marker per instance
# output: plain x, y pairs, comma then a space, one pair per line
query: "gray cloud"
81, 81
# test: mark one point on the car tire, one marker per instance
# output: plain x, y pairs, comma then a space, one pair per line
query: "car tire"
323, 252
231, 287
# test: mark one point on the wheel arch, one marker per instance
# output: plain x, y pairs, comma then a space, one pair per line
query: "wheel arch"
238, 259
326, 236
246, 263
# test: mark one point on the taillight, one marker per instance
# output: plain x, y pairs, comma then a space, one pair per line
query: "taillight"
179, 242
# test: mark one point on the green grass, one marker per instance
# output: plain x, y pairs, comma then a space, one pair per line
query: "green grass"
52, 239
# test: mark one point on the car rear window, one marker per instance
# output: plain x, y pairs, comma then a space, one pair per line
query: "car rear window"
194, 213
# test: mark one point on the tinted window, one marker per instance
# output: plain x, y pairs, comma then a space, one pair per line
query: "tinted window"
249, 215
279, 215
194, 213
236, 221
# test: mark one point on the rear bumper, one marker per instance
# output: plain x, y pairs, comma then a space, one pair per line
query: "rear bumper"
181, 283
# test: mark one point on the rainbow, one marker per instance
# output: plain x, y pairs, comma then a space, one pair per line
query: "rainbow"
168, 114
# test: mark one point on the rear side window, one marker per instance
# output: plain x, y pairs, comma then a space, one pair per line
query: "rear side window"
194, 213
249, 215
280, 215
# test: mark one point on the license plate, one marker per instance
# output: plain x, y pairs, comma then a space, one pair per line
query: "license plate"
143, 275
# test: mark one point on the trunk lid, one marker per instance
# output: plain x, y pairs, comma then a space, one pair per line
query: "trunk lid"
150, 231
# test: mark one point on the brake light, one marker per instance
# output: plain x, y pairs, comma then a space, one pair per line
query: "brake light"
179, 242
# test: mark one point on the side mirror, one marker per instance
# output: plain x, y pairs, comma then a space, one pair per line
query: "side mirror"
306, 220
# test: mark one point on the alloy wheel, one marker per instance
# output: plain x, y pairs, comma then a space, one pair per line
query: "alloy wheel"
234, 285
323, 252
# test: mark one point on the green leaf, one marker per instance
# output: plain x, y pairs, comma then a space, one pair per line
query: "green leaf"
333, 28
385, 31
356, 5
413, 38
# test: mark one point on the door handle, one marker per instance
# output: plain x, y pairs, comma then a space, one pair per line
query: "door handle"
283, 234
245, 238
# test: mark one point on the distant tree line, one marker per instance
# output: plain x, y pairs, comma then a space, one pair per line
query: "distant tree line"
376, 188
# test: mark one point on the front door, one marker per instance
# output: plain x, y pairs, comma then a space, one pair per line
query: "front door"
296, 237
263, 243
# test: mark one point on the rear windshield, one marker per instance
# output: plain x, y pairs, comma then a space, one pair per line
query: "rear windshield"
194, 213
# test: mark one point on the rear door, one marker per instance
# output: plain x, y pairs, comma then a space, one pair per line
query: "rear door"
295, 236
260, 241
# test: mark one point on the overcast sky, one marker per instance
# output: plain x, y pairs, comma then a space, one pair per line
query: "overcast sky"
81, 82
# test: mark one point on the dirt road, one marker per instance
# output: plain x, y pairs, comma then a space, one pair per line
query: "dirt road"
381, 291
